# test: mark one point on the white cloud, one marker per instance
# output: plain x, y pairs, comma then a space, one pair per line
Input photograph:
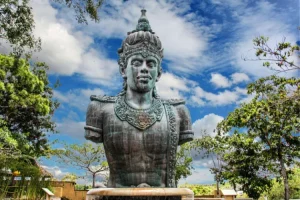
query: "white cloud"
220, 99
71, 128
68, 51
171, 86
199, 176
239, 77
183, 40
219, 80
55, 171
208, 123
272, 24
78, 98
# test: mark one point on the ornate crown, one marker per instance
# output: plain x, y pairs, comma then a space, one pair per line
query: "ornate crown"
142, 41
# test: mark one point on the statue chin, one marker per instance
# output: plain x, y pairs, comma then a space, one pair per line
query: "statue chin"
143, 88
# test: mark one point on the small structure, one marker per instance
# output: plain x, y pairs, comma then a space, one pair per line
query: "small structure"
49, 194
66, 189
227, 194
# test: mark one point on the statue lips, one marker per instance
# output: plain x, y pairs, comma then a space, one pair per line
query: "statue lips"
144, 78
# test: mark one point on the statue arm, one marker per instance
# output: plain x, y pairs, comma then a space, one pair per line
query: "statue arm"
186, 134
93, 128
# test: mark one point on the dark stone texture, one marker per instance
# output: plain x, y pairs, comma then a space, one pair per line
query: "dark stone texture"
140, 131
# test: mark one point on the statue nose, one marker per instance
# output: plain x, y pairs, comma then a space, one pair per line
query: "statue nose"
144, 68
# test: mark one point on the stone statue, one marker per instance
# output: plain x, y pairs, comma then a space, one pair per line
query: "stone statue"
140, 131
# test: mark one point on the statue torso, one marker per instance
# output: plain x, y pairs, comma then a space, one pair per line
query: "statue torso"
135, 156
140, 145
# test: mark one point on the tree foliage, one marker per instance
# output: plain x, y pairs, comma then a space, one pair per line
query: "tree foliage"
26, 106
236, 158
184, 161
260, 139
280, 56
86, 156
17, 24
84, 8
273, 117
21, 177
277, 189
70, 177
199, 190
212, 148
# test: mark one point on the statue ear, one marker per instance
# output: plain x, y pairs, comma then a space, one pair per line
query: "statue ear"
123, 72
122, 69
159, 74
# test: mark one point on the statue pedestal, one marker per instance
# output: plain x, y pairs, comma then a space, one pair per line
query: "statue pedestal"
140, 194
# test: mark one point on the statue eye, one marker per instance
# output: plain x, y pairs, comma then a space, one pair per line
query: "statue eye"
136, 63
151, 63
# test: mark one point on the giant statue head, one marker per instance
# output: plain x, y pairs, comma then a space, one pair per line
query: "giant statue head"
140, 58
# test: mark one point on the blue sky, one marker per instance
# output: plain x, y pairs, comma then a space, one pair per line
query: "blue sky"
204, 43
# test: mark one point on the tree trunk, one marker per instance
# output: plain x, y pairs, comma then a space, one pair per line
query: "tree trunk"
218, 188
94, 177
284, 176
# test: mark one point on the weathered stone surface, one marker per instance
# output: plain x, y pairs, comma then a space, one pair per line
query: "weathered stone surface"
140, 131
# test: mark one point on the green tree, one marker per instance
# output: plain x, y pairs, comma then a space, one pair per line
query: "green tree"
277, 189
26, 106
70, 177
184, 161
17, 24
273, 118
231, 156
86, 156
199, 190
30, 179
246, 164
84, 8
212, 148
278, 58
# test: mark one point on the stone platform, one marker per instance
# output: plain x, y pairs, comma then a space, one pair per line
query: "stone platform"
140, 194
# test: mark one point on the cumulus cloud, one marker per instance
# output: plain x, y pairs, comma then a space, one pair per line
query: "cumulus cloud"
171, 86
184, 41
78, 98
68, 51
221, 81
74, 129
208, 124
55, 171
201, 97
239, 77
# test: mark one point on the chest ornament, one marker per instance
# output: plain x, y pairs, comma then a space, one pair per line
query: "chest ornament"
139, 118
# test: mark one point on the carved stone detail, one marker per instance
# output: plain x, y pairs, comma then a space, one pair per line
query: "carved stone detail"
104, 98
139, 118
172, 146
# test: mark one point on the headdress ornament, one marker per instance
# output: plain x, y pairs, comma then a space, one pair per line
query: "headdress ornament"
142, 41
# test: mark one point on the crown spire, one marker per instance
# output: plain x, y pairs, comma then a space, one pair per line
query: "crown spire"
143, 23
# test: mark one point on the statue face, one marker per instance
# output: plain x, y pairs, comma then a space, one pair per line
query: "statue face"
141, 73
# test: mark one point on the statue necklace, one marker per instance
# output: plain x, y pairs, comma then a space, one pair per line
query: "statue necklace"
139, 118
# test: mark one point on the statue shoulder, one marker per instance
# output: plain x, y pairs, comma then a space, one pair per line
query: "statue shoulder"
174, 102
104, 98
